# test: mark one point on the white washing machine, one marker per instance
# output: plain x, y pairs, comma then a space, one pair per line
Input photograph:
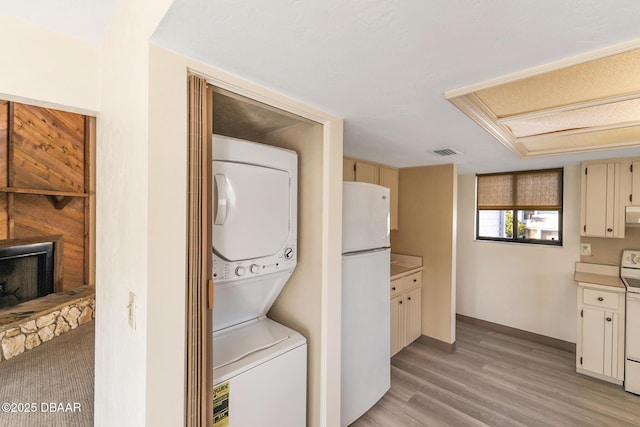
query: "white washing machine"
260, 366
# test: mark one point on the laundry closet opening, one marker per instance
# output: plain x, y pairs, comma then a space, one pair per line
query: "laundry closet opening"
298, 305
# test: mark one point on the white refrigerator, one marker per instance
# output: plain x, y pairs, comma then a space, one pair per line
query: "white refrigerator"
366, 365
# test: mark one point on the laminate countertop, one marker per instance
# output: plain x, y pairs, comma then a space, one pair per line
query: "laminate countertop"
399, 270
598, 274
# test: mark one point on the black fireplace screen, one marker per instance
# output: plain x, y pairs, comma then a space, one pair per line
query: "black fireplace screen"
26, 272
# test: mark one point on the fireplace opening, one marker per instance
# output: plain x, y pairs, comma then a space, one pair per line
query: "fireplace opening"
26, 272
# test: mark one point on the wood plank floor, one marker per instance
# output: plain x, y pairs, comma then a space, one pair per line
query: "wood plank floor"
494, 379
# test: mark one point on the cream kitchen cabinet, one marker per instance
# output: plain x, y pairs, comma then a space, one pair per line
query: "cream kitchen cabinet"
361, 171
600, 337
406, 310
603, 199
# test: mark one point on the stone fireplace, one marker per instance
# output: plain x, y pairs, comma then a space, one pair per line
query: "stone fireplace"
33, 307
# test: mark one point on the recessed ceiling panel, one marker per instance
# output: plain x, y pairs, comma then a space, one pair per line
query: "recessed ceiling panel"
580, 106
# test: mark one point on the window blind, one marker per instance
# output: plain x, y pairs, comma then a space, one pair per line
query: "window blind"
525, 190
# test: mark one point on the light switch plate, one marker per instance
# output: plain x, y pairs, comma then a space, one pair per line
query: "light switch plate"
585, 249
132, 310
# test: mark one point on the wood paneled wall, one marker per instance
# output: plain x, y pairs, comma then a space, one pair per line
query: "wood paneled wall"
44, 182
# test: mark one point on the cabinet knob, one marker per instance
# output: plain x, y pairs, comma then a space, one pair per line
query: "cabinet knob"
608, 319
409, 298
415, 280
609, 230
400, 302
600, 299
393, 288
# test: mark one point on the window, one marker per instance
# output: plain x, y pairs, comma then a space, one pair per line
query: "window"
522, 207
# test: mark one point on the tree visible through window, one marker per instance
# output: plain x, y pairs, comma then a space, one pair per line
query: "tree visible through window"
523, 207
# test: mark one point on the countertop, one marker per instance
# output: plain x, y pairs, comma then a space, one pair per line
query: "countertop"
598, 274
401, 269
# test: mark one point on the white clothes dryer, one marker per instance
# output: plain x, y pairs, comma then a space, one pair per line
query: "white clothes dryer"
260, 366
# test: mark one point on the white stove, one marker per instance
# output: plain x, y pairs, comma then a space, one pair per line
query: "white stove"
630, 270
630, 275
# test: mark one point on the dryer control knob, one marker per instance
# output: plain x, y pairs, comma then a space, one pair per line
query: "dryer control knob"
255, 268
240, 270
288, 253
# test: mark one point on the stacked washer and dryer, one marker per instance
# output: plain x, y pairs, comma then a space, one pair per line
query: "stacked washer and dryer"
260, 366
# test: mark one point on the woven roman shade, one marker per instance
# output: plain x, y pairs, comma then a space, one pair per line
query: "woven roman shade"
526, 190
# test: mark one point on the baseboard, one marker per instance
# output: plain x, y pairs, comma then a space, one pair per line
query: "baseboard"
537, 338
437, 344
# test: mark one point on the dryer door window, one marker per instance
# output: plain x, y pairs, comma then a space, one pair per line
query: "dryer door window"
251, 210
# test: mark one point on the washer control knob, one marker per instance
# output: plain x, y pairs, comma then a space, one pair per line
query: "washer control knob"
240, 270
288, 253
255, 268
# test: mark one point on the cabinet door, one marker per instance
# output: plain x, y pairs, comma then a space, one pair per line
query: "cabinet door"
635, 183
595, 203
348, 169
593, 340
389, 179
610, 365
413, 316
397, 324
600, 200
366, 172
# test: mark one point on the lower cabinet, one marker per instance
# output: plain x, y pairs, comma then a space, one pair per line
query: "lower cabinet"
600, 338
406, 311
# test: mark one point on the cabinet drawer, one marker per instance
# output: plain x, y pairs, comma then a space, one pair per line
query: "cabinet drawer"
412, 280
396, 287
600, 298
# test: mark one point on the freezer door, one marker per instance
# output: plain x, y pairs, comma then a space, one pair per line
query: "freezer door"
366, 324
365, 216
251, 209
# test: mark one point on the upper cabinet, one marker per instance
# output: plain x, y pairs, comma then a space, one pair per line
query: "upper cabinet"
360, 171
602, 213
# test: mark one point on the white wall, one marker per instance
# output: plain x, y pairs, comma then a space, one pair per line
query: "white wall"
129, 375
527, 287
47, 69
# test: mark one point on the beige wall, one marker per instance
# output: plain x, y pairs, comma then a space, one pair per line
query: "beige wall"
609, 251
528, 287
43, 68
427, 228
311, 302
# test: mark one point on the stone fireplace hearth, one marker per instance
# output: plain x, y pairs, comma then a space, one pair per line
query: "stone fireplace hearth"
26, 326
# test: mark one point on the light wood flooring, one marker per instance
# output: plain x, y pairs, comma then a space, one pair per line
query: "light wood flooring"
494, 379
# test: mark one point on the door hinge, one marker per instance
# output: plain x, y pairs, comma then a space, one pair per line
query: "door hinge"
585, 228
581, 360
354, 167
631, 197
585, 170
581, 313
631, 168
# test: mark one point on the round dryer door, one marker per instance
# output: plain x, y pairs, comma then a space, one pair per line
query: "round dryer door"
251, 210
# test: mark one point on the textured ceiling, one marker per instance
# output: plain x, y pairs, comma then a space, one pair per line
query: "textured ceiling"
382, 65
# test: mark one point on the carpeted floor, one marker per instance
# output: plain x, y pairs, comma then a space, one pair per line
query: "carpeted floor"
54, 381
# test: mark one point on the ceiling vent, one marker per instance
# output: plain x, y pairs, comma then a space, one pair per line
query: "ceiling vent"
447, 152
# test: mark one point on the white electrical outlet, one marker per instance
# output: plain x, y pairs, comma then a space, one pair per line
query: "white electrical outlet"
132, 310
585, 249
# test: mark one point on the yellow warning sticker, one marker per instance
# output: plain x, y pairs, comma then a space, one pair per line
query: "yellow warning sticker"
221, 405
